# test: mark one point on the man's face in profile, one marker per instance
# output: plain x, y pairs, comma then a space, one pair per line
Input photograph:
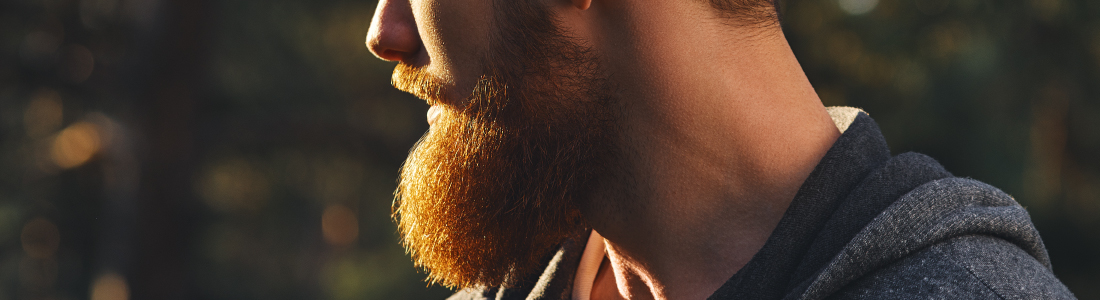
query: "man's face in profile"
495, 184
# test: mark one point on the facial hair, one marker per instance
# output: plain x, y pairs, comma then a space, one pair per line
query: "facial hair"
494, 187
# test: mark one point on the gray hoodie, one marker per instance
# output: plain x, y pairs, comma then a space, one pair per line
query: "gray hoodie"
866, 225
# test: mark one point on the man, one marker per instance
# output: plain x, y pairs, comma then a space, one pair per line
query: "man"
653, 149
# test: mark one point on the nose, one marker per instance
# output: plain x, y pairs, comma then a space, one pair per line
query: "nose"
393, 35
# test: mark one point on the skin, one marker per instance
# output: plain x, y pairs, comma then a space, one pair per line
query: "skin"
722, 128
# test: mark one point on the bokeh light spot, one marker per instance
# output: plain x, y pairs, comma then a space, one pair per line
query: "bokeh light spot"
40, 238
857, 7
234, 185
40, 44
44, 114
110, 286
78, 64
75, 145
339, 225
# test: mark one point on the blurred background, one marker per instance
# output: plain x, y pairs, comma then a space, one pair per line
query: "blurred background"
199, 149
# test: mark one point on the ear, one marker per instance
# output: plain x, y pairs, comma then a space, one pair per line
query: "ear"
582, 4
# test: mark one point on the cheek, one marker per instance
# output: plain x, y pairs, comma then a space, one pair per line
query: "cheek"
455, 34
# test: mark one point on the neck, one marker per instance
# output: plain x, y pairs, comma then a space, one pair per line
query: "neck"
721, 128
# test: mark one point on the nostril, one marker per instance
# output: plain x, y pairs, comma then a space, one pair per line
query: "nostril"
393, 34
393, 47
393, 55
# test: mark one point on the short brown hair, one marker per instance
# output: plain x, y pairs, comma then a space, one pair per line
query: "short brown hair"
764, 13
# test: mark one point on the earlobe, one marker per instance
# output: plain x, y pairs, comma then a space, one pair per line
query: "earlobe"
582, 4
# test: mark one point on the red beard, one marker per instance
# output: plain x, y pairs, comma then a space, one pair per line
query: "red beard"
495, 184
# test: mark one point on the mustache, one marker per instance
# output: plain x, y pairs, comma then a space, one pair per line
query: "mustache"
418, 82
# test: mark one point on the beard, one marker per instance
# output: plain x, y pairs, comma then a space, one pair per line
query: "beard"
495, 185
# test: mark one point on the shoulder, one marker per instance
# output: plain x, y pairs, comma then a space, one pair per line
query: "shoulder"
964, 267
948, 238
